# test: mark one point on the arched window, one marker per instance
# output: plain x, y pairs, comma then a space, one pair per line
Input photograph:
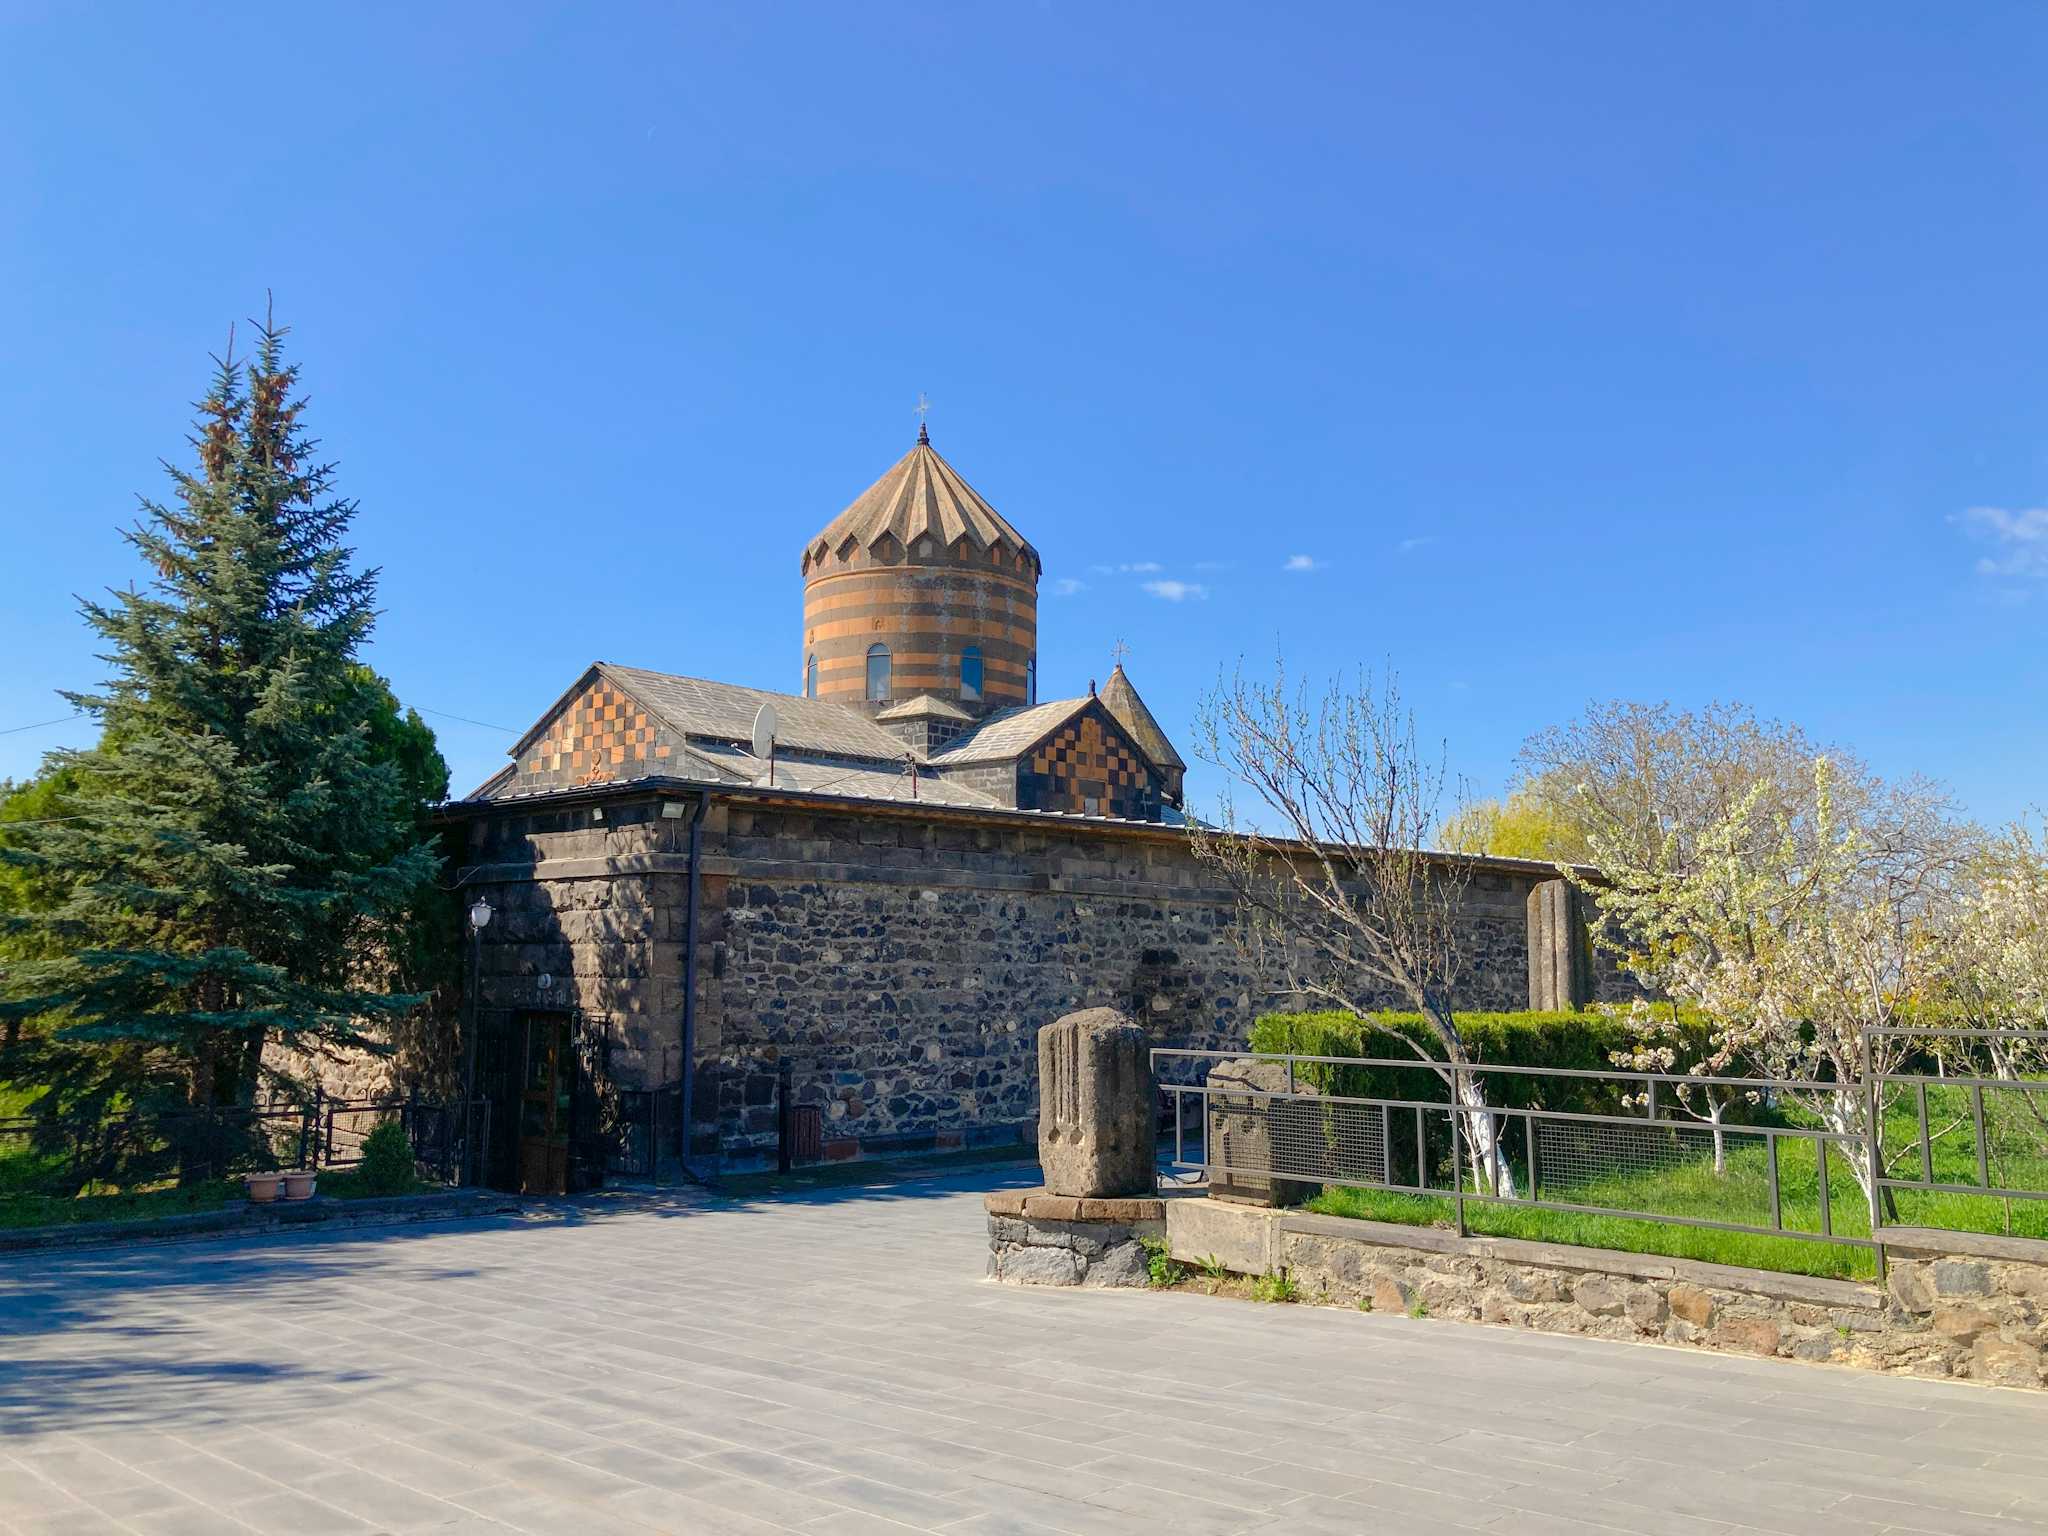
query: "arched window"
970, 672
878, 673
811, 677
1031, 681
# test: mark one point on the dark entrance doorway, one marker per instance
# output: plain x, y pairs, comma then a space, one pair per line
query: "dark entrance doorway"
547, 1104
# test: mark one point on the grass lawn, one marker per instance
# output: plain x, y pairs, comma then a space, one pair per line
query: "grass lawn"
1675, 1184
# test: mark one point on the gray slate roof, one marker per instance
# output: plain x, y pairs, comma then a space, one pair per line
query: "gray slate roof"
1007, 733
863, 780
725, 712
924, 706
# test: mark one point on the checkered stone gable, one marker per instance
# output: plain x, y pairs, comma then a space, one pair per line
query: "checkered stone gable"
601, 734
1089, 767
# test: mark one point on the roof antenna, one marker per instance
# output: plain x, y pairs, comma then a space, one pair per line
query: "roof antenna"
924, 407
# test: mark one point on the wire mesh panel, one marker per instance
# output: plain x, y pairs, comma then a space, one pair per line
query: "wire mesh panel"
1661, 1168
1328, 1141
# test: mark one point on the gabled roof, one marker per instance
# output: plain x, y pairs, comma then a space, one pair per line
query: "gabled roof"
922, 494
695, 707
924, 707
1121, 700
1008, 733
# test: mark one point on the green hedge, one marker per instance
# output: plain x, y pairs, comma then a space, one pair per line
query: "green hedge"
1580, 1042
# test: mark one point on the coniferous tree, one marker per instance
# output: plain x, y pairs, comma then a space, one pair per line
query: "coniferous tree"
236, 859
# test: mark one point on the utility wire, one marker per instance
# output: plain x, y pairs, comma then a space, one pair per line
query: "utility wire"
38, 725
445, 715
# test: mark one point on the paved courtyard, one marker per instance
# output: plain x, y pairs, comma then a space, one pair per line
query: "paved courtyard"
835, 1365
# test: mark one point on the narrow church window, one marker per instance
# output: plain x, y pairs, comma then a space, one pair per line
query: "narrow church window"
878, 673
811, 677
1031, 681
970, 672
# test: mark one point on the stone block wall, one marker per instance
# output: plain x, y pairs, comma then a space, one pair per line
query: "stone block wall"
901, 958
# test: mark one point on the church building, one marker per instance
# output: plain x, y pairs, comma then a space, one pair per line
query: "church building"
723, 924
919, 682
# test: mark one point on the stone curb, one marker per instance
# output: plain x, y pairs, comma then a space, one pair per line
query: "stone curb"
1037, 1205
237, 1220
1776, 1284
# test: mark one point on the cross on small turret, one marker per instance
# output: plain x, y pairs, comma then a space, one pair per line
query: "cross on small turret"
1118, 652
924, 407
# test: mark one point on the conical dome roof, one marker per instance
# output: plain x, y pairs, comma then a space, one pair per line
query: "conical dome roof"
921, 494
1122, 701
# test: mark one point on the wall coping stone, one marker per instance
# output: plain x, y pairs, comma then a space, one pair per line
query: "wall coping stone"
1939, 1242
1037, 1205
1816, 1289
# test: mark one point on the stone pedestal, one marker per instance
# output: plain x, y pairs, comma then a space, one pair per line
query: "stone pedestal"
1097, 1107
1035, 1238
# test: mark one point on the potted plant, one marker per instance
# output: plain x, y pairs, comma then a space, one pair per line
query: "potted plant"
298, 1184
262, 1187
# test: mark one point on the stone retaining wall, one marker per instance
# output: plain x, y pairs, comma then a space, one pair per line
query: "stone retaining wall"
1954, 1305
1040, 1239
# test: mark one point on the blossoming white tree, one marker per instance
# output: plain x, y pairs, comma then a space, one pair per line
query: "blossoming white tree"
2000, 977
1343, 901
1800, 928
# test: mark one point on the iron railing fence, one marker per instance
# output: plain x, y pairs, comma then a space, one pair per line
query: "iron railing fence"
1987, 1095
1728, 1153
61, 1158
632, 1128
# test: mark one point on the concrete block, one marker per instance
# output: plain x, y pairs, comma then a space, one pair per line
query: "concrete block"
1240, 1237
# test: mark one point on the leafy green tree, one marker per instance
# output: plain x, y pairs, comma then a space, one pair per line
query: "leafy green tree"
236, 856
1526, 824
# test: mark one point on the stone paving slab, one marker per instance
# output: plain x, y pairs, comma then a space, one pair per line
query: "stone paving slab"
834, 1364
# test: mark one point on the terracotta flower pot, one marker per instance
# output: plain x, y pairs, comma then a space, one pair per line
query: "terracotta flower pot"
262, 1187
299, 1186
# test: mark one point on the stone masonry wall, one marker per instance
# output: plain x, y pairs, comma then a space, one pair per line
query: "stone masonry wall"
901, 959
1954, 1304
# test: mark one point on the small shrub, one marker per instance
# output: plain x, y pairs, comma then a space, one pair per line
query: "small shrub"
1278, 1286
1212, 1268
387, 1166
1160, 1267
1418, 1308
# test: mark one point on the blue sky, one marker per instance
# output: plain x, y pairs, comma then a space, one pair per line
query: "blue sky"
1578, 351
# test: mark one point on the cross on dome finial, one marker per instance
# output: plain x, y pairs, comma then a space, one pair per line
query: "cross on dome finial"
923, 409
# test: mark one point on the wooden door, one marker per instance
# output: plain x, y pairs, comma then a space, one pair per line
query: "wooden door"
546, 1106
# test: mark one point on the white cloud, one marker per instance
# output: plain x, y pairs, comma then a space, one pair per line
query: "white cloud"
1302, 563
1212, 565
2019, 539
1129, 568
1177, 591
1067, 586
1410, 545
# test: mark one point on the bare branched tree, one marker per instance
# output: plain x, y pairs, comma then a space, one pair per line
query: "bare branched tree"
1342, 900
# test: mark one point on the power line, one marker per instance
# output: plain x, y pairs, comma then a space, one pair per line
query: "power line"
445, 715
60, 720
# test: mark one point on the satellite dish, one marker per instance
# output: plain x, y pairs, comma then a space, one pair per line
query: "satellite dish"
765, 725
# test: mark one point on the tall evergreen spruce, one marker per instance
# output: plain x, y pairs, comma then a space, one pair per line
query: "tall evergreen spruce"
237, 863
